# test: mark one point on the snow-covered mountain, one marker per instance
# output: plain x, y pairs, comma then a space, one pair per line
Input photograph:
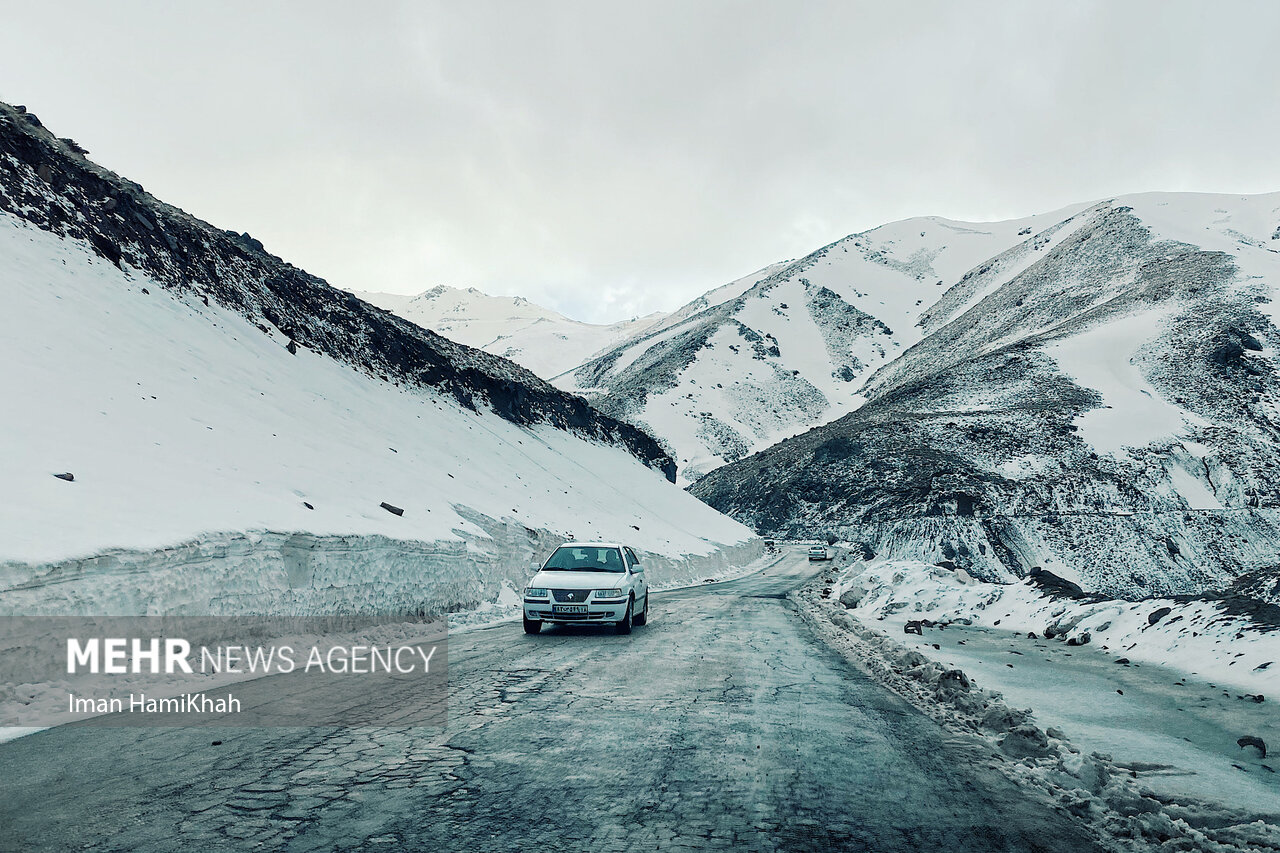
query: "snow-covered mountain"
789, 347
1099, 398
192, 422
545, 341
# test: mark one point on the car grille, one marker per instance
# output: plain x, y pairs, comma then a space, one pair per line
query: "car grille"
570, 596
548, 616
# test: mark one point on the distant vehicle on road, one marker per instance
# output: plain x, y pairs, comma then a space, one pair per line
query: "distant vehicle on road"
588, 582
819, 552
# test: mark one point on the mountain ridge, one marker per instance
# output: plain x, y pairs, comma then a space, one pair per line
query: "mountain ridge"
543, 340
1104, 407
769, 355
49, 182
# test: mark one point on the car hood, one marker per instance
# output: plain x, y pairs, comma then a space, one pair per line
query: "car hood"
579, 580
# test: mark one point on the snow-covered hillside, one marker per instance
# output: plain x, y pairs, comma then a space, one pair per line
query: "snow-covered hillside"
787, 348
1099, 399
236, 435
545, 341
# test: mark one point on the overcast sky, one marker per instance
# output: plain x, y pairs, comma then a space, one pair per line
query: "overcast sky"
609, 159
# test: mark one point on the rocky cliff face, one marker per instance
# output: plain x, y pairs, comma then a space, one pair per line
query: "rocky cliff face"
49, 183
1099, 400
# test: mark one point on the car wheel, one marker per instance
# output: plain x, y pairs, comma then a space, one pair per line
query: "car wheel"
642, 618
532, 626
624, 624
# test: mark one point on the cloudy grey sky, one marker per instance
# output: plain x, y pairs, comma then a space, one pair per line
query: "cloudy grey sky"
613, 158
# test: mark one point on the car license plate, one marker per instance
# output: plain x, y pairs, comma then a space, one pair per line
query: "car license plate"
569, 608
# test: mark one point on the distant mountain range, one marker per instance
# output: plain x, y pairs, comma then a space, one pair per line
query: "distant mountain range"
545, 341
1098, 398
1090, 391
789, 347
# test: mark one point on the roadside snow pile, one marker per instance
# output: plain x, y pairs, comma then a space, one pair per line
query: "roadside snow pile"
1095, 788
1233, 641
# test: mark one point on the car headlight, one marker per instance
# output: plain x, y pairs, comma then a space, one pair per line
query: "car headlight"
608, 593
535, 592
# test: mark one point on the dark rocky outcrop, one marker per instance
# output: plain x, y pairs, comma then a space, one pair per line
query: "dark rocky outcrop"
1054, 586
48, 183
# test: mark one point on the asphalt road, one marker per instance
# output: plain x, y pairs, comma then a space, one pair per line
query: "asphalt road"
720, 725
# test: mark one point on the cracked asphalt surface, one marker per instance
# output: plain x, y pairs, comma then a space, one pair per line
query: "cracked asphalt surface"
723, 724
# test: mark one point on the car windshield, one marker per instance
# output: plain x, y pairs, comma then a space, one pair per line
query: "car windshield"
577, 558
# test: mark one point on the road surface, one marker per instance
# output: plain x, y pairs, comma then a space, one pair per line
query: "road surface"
721, 725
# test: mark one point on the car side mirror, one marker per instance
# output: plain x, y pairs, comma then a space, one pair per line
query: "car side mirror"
535, 568
637, 568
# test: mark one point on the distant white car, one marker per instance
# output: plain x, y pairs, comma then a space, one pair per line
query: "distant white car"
588, 582
819, 552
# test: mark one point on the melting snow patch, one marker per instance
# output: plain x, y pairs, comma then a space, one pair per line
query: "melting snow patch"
1133, 414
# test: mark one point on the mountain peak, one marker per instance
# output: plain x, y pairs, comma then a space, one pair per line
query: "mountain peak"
543, 340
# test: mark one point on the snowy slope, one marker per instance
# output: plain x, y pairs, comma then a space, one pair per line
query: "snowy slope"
545, 341
234, 425
1099, 399
1136, 716
229, 431
787, 348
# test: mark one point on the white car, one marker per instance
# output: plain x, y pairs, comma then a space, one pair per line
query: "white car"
818, 552
588, 582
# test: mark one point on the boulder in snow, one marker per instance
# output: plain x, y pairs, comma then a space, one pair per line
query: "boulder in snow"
953, 681
1053, 585
1255, 742
1002, 718
1025, 741
852, 596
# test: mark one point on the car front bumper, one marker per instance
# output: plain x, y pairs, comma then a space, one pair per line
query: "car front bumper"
609, 610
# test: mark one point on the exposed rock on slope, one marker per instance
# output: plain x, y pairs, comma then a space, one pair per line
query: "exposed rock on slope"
787, 348
1104, 407
49, 183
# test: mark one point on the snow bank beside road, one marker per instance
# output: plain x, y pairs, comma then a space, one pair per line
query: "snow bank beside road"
367, 589
1133, 804
1201, 638
310, 582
